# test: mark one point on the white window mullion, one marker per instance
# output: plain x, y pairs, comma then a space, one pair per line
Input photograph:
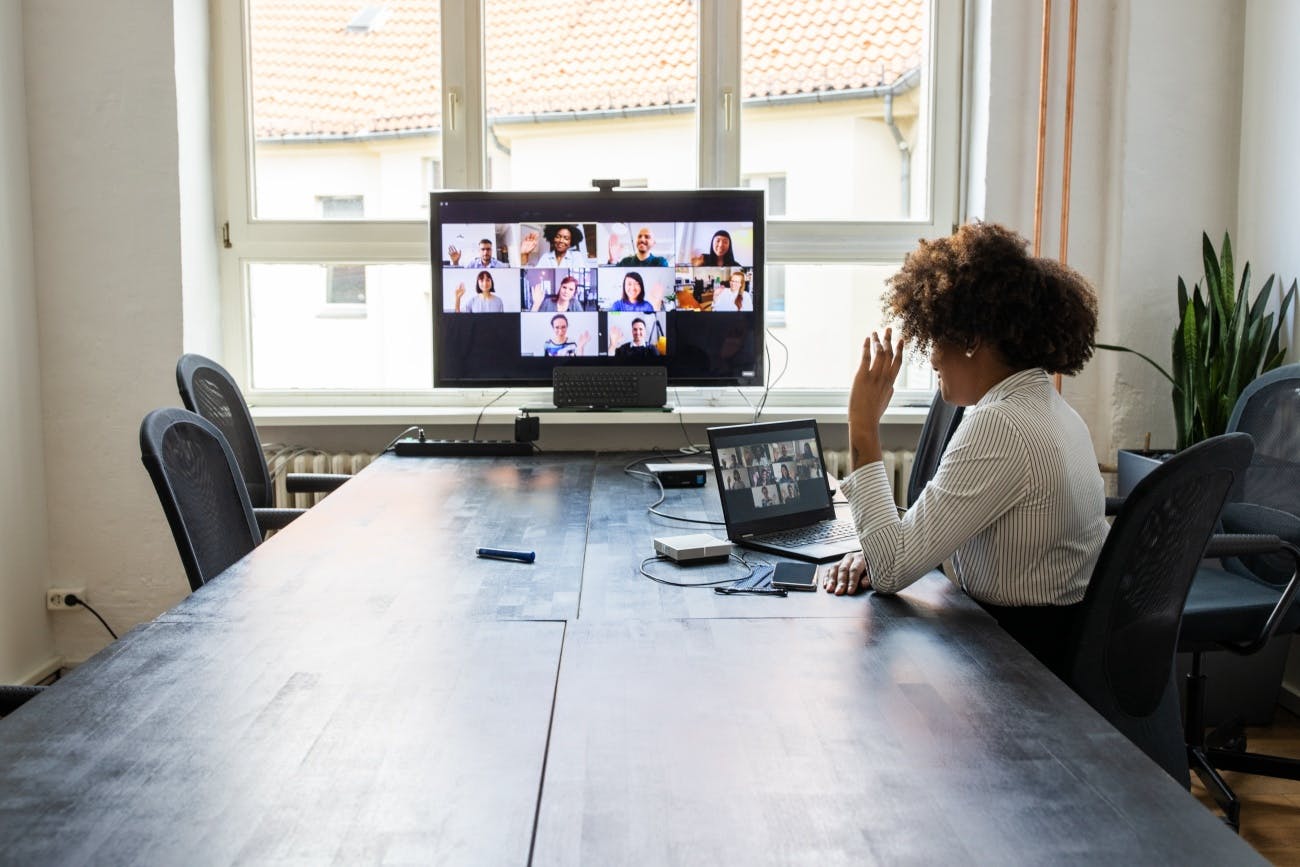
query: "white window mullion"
235, 173
718, 99
463, 103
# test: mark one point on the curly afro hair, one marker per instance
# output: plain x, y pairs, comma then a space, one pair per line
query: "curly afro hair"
575, 234
981, 284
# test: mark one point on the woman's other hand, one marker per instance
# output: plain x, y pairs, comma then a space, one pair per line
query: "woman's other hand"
847, 576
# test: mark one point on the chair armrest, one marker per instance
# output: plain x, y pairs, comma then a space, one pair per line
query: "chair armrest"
1229, 545
275, 519
1252, 518
313, 483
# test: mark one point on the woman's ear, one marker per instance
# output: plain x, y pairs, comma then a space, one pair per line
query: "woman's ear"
972, 347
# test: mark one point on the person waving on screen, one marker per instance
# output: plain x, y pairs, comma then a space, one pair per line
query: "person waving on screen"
485, 299
634, 300
566, 247
559, 344
734, 298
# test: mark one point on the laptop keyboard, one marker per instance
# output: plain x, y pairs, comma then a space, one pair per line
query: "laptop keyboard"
826, 531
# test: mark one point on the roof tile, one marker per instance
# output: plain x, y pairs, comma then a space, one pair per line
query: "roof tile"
311, 77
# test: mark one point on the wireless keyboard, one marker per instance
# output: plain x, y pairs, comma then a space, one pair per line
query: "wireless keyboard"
610, 387
410, 447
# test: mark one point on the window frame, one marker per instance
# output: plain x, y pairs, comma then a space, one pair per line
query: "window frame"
464, 164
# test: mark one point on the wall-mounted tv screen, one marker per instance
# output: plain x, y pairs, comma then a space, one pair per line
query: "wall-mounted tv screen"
524, 282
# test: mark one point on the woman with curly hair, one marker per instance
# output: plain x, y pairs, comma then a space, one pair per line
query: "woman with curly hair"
1017, 501
565, 240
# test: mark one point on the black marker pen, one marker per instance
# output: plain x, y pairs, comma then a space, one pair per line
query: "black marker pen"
503, 554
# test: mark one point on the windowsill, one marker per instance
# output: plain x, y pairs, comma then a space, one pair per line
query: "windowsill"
389, 416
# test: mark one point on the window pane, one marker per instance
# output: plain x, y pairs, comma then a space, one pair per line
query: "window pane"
835, 104
379, 339
828, 311
345, 107
581, 89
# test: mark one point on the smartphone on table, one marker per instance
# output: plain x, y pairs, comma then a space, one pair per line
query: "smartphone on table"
795, 576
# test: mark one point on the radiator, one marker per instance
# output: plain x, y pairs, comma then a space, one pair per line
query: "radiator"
282, 459
898, 467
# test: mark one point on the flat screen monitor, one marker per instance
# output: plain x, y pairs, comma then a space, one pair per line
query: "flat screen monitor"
524, 282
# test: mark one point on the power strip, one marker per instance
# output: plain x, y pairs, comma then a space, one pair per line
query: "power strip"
411, 447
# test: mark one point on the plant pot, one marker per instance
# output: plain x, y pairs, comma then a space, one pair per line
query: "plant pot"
1133, 466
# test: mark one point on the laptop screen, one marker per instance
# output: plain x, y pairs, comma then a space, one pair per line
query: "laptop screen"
770, 476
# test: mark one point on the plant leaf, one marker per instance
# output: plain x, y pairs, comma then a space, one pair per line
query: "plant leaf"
1213, 278
1115, 348
1261, 300
1234, 348
1273, 357
1227, 275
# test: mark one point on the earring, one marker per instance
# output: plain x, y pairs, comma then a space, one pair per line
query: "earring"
970, 353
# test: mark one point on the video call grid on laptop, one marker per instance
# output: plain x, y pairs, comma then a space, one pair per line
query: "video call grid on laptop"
774, 490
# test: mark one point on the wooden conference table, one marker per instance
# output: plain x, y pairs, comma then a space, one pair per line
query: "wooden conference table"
362, 689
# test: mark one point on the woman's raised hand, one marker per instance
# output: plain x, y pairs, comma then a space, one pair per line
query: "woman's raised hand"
873, 385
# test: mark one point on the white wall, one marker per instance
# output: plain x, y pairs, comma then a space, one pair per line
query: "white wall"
26, 645
1268, 203
1179, 151
103, 137
1155, 150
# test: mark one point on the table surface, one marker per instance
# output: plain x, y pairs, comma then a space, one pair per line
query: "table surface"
361, 689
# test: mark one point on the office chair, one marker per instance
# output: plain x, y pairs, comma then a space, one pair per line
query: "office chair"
1241, 606
201, 490
1121, 659
208, 389
940, 424
14, 697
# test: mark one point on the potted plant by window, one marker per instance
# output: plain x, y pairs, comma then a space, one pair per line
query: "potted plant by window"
1221, 343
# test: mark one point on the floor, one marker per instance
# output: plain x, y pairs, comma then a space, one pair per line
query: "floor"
1270, 811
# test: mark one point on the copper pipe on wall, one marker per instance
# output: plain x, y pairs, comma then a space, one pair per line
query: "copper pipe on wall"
1069, 129
1042, 125
1069, 140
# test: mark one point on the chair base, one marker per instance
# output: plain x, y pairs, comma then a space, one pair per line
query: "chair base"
1260, 764
1224, 749
1219, 790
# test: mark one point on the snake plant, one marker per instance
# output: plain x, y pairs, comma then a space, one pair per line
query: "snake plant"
1221, 343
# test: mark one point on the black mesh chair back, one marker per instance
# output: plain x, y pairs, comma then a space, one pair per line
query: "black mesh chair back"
201, 491
940, 424
14, 697
1122, 662
209, 390
1269, 410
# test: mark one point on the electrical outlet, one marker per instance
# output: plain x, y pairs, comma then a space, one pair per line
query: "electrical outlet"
56, 598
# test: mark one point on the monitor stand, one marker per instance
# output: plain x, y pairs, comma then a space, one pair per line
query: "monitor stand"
549, 408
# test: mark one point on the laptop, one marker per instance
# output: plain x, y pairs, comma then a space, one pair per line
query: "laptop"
775, 493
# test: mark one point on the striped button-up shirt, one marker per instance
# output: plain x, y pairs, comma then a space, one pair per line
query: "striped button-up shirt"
1017, 503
